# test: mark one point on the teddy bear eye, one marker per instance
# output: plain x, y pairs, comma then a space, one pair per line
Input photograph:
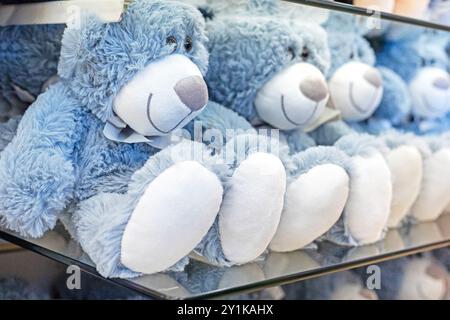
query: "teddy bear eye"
305, 53
188, 44
172, 41
291, 53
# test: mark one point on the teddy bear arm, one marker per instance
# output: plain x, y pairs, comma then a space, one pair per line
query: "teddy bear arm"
331, 132
218, 117
36, 169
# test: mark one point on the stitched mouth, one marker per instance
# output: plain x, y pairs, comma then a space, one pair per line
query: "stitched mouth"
298, 124
353, 101
149, 117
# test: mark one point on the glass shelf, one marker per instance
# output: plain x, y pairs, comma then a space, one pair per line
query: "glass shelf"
201, 280
348, 8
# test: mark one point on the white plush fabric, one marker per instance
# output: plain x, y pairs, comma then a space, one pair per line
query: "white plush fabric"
281, 103
173, 215
406, 167
313, 204
428, 100
150, 95
352, 94
423, 281
367, 209
434, 196
251, 207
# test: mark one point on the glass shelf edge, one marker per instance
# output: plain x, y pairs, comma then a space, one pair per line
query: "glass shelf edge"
343, 7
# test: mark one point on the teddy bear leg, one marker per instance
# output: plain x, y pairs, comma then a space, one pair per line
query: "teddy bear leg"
367, 209
314, 199
434, 194
406, 166
168, 209
255, 184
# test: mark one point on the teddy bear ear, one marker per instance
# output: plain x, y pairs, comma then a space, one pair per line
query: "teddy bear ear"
79, 37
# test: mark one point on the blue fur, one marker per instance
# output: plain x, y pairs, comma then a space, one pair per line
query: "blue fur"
29, 56
61, 160
424, 49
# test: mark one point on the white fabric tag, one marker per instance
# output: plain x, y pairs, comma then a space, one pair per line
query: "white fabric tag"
328, 115
116, 130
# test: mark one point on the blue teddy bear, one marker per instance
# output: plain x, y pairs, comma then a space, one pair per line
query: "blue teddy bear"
263, 75
128, 194
416, 99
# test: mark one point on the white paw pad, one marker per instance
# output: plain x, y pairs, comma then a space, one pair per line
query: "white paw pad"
406, 167
434, 196
171, 218
369, 202
313, 204
251, 207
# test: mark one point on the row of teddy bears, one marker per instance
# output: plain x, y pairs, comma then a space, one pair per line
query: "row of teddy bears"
93, 152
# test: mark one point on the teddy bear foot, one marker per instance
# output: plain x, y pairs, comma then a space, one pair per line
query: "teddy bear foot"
251, 208
367, 209
126, 235
406, 166
313, 204
434, 196
171, 218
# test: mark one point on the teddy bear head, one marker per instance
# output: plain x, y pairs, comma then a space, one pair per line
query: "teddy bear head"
145, 70
423, 63
268, 70
356, 87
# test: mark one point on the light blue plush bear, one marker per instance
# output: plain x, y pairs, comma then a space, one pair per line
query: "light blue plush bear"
352, 81
265, 75
414, 65
96, 146
29, 57
356, 89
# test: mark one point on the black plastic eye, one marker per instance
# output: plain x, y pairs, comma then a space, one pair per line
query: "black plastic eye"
423, 61
291, 53
305, 53
188, 44
172, 41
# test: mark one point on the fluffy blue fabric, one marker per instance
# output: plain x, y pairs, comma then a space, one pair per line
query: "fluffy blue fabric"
245, 53
425, 49
29, 56
60, 158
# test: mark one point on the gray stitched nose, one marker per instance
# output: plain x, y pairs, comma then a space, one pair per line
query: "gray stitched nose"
193, 92
441, 83
373, 77
314, 88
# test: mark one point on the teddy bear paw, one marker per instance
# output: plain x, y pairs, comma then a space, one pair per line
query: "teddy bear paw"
173, 215
251, 207
313, 204
406, 166
434, 196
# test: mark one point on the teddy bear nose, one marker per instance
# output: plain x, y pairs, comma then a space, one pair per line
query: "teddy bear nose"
193, 92
314, 88
441, 83
373, 77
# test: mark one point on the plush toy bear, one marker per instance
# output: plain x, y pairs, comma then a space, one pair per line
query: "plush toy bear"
91, 145
256, 63
368, 208
29, 57
356, 89
417, 87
